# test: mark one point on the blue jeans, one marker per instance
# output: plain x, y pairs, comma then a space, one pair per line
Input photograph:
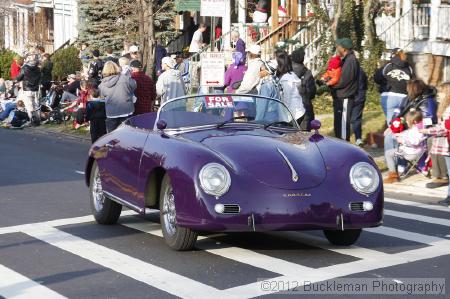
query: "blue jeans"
9, 107
390, 101
447, 161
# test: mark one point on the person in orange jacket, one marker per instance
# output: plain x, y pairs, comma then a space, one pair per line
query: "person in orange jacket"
334, 71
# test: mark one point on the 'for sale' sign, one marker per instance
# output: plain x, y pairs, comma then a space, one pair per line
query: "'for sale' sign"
212, 69
214, 102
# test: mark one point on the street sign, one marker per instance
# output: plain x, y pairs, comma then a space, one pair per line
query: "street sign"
212, 69
213, 8
187, 5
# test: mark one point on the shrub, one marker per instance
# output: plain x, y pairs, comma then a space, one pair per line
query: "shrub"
66, 62
6, 58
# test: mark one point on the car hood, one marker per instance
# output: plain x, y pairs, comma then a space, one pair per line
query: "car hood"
266, 156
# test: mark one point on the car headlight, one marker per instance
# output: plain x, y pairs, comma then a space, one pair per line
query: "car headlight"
214, 179
364, 178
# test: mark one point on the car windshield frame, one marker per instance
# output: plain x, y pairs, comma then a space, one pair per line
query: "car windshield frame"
208, 126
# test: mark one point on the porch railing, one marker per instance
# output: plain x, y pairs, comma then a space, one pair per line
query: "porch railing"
401, 31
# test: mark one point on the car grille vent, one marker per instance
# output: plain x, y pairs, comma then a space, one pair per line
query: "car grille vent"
231, 209
356, 206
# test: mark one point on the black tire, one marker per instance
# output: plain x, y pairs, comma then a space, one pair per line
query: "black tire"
182, 238
109, 211
342, 238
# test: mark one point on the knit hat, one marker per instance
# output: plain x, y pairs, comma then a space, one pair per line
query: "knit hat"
334, 63
136, 64
298, 55
345, 43
96, 53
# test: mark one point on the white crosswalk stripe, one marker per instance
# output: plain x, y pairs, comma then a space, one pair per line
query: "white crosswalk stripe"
417, 204
432, 220
17, 286
364, 259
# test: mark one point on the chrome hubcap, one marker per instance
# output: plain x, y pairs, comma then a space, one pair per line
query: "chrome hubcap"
169, 213
97, 192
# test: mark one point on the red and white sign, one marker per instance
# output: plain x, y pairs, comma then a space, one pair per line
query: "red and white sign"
212, 69
215, 102
213, 8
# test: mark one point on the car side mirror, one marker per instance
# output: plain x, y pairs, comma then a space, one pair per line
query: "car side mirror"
161, 125
316, 125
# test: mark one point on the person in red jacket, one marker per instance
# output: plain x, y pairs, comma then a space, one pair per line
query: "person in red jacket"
145, 90
16, 66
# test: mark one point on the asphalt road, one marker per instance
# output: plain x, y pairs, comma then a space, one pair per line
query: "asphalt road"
51, 248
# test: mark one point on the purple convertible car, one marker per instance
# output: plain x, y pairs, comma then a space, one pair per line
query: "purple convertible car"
233, 163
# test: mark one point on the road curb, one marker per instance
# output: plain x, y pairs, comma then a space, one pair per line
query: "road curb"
416, 190
45, 131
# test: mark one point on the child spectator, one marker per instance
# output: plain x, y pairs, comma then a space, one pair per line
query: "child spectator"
412, 144
334, 71
78, 107
96, 115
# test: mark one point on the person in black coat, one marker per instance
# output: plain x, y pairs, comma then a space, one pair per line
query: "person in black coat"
346, 89
307, 87
392, 79
358, 107
96, 115
30, 74
95, 68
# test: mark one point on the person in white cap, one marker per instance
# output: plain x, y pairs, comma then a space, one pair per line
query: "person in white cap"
251, 78
170, 85
134, 53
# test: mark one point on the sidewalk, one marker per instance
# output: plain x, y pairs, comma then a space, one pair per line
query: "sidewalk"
415, 185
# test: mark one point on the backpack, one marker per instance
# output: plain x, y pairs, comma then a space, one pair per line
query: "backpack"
20, 118
185, 76
307, 85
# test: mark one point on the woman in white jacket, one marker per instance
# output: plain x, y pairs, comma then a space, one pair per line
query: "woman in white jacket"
290, 84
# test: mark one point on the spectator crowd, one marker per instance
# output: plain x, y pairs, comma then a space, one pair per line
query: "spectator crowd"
115, 88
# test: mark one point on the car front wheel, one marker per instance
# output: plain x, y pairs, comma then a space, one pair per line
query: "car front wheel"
178, 238
342, 237
105, 210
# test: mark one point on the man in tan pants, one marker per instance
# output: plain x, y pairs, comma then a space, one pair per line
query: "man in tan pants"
30, 75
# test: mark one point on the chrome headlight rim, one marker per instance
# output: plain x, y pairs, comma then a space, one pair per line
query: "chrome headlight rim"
375, 178
225, 186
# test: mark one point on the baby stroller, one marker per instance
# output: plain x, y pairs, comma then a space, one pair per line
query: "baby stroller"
51, 106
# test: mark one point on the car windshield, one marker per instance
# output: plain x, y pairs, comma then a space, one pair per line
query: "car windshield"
222, 110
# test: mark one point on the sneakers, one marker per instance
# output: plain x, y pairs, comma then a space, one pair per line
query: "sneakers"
436, 183
445, 202
391, 178
359, 143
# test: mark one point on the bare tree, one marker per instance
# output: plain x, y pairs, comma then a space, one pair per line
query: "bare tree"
147, 34
371, 8
339, 6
